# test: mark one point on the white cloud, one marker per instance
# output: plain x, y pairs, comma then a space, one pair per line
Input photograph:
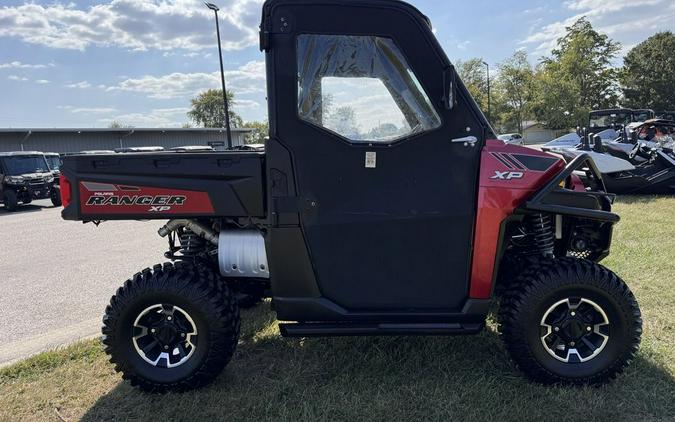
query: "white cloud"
247, 79
20, 65
599, 7
463, 46
161, 117
132, 24
79, 85
247, 104
17, 78
628, 21
42, 82
89, 110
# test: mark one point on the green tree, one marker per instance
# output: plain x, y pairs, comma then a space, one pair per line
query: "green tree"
513, 87
208, 109
576, 78
342, 120
474, 75
118, 125
648, 75
260, 131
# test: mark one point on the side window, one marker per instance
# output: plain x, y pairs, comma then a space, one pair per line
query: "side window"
361, 88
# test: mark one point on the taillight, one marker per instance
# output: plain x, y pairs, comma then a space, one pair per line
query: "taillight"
66, 194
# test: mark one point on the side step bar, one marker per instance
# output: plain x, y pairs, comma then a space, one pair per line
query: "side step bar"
349, 329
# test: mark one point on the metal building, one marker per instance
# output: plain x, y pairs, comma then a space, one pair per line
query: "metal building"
77, 140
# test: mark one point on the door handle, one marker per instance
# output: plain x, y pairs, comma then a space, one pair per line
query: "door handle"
467, 141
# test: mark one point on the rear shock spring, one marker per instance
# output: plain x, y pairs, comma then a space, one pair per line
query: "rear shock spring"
190, 243
540, 228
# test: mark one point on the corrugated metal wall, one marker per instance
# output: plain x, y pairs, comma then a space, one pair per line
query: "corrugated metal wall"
68, 142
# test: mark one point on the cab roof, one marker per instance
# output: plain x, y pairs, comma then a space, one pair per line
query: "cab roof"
20, 153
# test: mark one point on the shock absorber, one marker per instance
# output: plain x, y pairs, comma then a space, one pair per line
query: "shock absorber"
190, 243
540, 228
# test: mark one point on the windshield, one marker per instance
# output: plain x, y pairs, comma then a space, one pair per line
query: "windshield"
610, 120
19, 165
54, 162
642, 116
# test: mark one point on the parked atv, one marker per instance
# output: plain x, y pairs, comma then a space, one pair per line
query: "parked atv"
24, 177
402, 225
647, 168
54, 161
608, 124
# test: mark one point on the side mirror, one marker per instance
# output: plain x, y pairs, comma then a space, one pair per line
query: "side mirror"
449, 88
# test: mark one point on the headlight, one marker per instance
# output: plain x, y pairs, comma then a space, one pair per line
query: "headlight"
50, 179
14, 179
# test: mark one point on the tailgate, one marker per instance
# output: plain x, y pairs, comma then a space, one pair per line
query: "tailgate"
163, 185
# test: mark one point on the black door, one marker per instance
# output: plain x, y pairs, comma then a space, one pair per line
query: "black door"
356, 97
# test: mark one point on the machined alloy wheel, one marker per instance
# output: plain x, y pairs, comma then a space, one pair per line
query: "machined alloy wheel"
165, 336
575, 330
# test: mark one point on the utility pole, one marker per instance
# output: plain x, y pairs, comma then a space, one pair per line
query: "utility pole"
488, 89
222, 76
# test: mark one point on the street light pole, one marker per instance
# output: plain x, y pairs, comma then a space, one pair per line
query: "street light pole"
488, 89
222, 77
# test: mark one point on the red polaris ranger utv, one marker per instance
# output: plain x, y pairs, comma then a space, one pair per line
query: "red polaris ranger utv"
381, 206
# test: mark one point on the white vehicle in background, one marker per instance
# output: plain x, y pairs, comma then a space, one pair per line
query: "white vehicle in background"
572, 140
512, 139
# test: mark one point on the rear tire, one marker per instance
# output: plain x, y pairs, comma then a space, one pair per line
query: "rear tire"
10, 200
171, 328
570, 321
55, 196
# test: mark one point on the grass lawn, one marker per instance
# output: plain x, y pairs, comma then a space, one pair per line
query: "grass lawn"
352, 379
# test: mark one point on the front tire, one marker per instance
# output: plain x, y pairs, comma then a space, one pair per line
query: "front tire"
10, 200
171, 328
55, 196
570, 321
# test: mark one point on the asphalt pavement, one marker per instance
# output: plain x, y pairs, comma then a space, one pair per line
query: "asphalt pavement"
57, 276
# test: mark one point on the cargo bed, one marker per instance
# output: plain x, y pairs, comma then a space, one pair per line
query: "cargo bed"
163, 185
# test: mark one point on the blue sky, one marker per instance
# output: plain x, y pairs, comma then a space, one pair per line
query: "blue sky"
87, 63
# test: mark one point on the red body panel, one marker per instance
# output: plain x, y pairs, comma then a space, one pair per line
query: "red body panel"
103, 198
505, 183
66, 193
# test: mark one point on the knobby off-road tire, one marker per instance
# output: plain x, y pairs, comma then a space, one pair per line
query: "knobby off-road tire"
200, 306
10, 200
539, 327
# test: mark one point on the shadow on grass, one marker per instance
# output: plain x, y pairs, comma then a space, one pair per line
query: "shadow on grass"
640, 199
381, 378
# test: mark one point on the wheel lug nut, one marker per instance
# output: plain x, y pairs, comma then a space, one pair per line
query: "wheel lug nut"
588, 329
182, 334
168, 318
572, 343
166, 347
556, 329
153, 331
573, 313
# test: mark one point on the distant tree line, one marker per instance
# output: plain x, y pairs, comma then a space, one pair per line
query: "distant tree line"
577, 77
